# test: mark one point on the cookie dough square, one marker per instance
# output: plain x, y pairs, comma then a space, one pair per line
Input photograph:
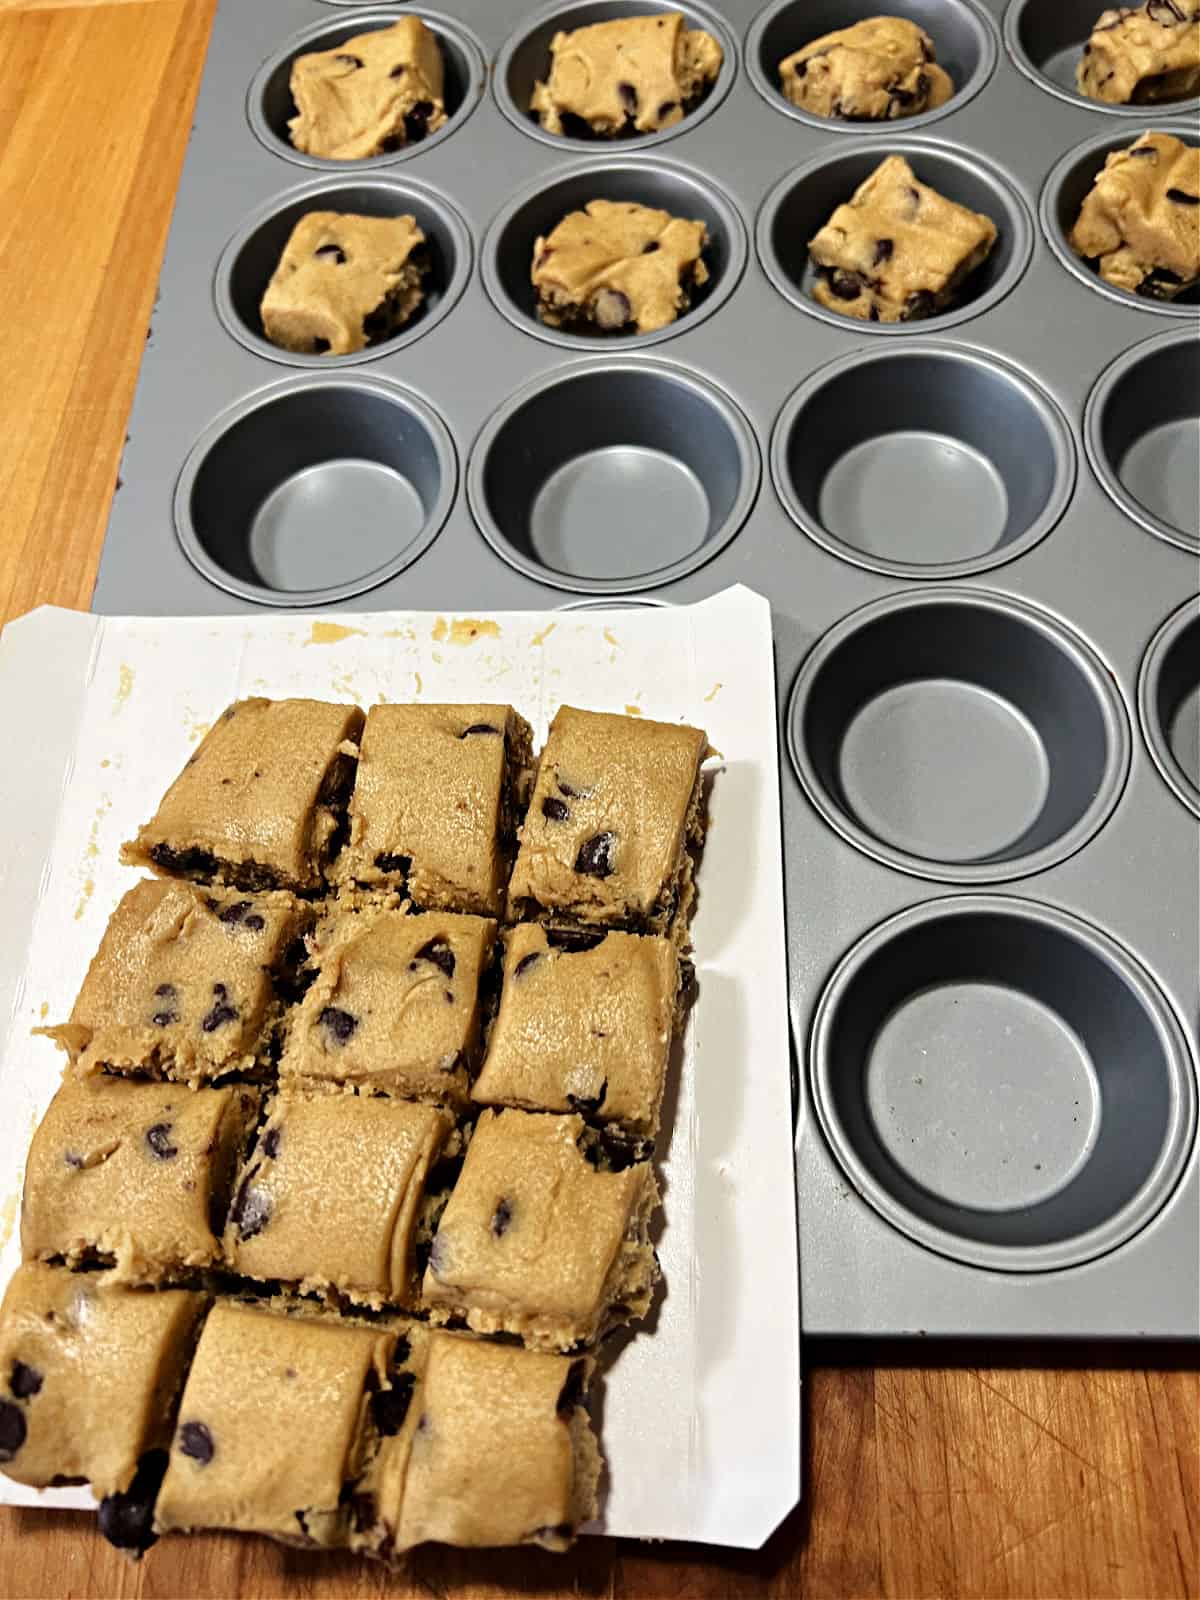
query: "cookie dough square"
497, 1449
435, 806
616, 802
90, 1375
538, 1239
585, 1024
617, 265
187, 984
261, 803
629, 76
278, 1419
134, 1174
344, 282
375, 93
877, 70
897, 250
329, 1197
1142, 55
396, 1006
1140, 221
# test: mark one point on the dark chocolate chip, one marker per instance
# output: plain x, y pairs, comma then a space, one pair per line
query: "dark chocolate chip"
572, 1391
565, 788
846, 285
480, 727
501, 1218
1182, 198
362, 1505
254, 922
331, 252
12, 1430
611, 309
24, 1380
903, 97
649, 249
319, 347
556, 810
666, 108
526, 962
251, 1210
389, 1407
199, 864
585, 1104
440, 953
159, 1139
883, 250
597, 855
416, 121
338, 1024
1160, 284
126, 1519
574, 940
629, 98
392, 863
401, 1350
196, 1441
348, 61
270, 1143
919, 304
222, 1012
398, 71
165, 991
233, 913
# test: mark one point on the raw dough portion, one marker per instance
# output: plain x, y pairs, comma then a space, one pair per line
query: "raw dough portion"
136, 1174
183, 984
497, 1449
376, 92
877, 70
395, 1005
584, 1029
617, 264
435, 804
897, 250
632, 75
1141, 55
1140, 222
330, 1194
538, 1239
279, 1416
91, 1374
344, 282
260, 803
615, 804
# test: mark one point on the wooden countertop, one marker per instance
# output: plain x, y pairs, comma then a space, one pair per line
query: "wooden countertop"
995, 1476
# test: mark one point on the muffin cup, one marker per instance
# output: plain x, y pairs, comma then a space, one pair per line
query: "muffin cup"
1045, 39
1169, 702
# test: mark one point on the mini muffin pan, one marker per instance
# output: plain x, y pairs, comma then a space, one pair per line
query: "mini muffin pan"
978, 534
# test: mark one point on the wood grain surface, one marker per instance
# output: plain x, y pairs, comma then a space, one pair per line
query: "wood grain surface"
1015, 1472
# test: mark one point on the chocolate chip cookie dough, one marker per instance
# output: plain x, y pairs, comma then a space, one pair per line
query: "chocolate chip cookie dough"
375, 93
133, 1176
618, 265
538, 1239
187, 984
260, 804
605, 840
630, 76
1140, 222
877, 70
1143, 55
344, 282
897, 250
91, 1375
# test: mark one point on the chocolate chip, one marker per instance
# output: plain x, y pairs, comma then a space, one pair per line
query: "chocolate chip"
666, 108
571, 1393
555, 810
883, 250
914, 200
611, 309
574, 940
338, 1024
526, 962
199, 864
319, 347
481, 727
919, 304
270, 1143
398, 71
233, 913
348, 61
903, 97
159, 1139
196, 1441
362, 1511
571, 794
649, 249
251, 1210
222, 1012
802, 69
401, 1350
629, 98
1182, 198
24, 1381
501, 1218
440, 953
596, 855
585, 1104
330, 252
1144, 152
168, 1013
393, 863
12, 1430
1160, 284
416, 121
389, 1407
126, 1519
846, 285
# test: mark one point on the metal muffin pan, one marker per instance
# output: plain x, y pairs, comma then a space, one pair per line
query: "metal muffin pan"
975, 535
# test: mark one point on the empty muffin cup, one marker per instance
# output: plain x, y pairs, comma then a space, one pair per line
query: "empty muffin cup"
315, 490
270, 107
1142, 429
508, 249
958, 735
1169, 702
1045, 39
525, 61
1066, 189
923, 462
249, 259
1003, 1082
613, 476
802, 202
962, 37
